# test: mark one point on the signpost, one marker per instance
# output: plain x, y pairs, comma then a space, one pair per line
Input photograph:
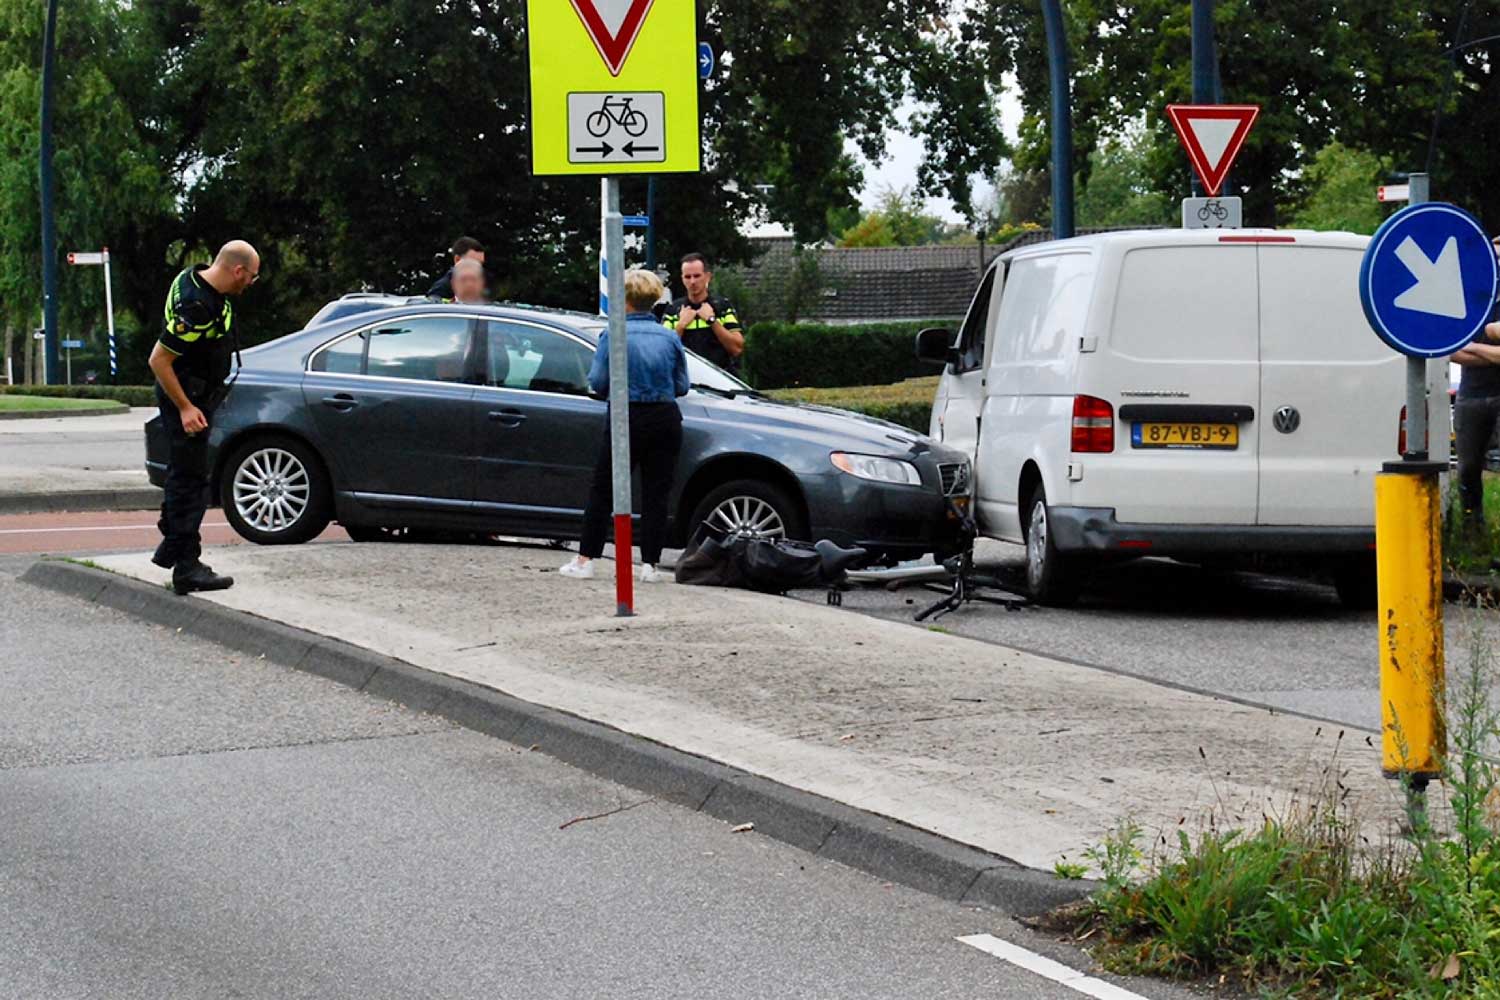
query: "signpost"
614, 90
69, 346
89, 257
1427, 283
705, 60
1213, 135
1393, 192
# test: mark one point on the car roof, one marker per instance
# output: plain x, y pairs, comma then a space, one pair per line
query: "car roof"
372, 308
1129, 239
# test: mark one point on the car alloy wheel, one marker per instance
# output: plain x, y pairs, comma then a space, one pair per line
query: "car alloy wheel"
271, 490
1036, 546
748, 517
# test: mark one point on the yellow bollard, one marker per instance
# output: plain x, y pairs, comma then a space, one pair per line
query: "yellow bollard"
1408, 555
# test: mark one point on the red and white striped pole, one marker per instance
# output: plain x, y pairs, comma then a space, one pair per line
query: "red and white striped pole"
619, 397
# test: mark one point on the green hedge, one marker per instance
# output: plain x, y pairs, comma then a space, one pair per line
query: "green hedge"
907, 403
130, 395
788, 355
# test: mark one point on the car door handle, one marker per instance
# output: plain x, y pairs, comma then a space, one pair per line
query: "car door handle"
508, 418
341, 401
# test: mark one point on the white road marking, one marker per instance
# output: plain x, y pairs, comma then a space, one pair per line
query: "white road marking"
112, 527
1045, 967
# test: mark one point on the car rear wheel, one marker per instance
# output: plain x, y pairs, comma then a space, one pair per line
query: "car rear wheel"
1051, 577
275, 492
1354, 579
750, 508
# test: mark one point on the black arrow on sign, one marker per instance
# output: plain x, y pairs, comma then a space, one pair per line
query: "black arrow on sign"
631, 149
603, 149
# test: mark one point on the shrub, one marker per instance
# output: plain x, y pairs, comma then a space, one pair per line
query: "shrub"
786, 355
906, 403
130, 395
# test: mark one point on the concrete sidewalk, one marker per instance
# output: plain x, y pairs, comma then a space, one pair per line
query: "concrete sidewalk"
76, 463
1025, 757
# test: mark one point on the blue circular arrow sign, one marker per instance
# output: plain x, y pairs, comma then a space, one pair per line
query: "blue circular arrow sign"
1428, 280
705, 60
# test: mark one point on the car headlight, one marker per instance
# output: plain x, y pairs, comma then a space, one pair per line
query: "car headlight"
877, 469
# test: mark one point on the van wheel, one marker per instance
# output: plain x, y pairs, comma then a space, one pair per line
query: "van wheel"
1051, 577
1355, 580
274, 492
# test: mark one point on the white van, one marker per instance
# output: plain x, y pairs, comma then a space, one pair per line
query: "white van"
1204, 395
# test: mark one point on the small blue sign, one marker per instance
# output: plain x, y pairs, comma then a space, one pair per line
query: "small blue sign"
636, 221
705, 60
1429, 279
72, 345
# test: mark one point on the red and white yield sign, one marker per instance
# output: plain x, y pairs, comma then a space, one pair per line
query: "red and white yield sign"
613, 25
1212, 134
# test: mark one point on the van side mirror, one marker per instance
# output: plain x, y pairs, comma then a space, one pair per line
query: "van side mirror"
936, 346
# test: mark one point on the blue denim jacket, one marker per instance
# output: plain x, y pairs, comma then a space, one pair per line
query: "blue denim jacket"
658, 361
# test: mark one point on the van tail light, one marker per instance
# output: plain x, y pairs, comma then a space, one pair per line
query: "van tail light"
1093, 425
1401, 435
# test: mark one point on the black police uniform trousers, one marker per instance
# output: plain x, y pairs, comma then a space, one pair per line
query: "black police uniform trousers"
1474, 418
655, 440
185, 495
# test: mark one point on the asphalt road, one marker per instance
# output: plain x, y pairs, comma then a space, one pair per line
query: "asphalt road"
1270, 640
73, 453
180, 821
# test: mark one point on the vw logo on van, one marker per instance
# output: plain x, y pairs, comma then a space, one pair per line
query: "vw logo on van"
1287, 419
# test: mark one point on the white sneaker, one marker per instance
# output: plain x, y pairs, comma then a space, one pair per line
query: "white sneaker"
650, 574
573, 569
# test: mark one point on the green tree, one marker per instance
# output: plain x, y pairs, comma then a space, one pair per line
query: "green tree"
900, 219
1119, 189
1341, 191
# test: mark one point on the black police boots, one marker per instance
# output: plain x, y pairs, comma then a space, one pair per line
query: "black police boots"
191, 577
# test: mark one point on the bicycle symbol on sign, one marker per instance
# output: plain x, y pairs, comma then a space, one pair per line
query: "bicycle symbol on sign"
616, 111
1212, 209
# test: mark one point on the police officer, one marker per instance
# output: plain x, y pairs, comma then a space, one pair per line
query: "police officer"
191, 365
707, 325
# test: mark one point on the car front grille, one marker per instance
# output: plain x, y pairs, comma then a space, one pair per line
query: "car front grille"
955, 479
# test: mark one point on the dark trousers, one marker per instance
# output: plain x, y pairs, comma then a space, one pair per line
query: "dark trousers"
655, 440
1474, 419
185, 496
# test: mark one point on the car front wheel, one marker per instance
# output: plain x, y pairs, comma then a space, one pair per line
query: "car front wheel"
275, 492
1051, 577
750, 508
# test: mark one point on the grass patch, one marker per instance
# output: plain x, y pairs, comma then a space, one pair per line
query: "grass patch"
130, 395
1305, 904
35, 404
906, 403
1464, 549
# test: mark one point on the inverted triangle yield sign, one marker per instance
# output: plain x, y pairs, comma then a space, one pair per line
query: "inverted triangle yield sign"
613, 25
1212, 134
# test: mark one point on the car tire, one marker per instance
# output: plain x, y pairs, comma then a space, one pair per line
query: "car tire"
275, 491
740, 504
1052, 578
1356, 583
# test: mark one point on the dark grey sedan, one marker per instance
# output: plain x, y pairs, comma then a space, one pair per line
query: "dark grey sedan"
478, 419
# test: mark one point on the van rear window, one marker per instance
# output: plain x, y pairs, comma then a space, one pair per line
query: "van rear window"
1194, 303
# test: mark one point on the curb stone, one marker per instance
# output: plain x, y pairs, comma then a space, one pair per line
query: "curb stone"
825, 828
127, 498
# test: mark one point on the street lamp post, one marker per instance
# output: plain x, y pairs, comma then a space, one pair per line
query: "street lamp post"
1062, 120
49, 229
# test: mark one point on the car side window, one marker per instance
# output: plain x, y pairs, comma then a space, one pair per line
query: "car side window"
430, 348
537, 359
971, 336
344, 357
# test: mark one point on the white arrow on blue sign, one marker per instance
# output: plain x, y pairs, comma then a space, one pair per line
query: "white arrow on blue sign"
705, 60
1429, 279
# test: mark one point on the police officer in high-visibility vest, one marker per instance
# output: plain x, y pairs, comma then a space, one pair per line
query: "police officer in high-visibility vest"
707, 325
191, 363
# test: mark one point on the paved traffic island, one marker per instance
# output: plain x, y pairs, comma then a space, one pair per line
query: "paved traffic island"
1027, 758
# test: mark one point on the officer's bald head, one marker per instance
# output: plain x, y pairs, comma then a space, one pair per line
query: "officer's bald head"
240, 261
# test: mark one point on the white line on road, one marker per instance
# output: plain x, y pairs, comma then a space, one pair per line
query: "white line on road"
1045, 967
111, 527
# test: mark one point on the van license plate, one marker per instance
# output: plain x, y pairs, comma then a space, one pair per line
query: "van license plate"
1154, 435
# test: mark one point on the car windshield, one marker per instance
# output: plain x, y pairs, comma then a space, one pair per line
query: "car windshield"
703, 374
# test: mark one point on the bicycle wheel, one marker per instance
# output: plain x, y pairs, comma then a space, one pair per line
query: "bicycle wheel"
598, 124
635, 123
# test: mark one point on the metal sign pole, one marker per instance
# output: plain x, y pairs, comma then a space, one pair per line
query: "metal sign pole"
109, 318
619, 396
1416, 368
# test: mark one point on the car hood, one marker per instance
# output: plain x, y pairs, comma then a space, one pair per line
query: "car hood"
839, 428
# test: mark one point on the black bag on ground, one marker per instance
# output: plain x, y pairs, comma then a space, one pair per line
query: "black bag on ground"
712, 559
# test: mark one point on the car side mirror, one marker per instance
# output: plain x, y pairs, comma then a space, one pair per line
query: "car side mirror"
936, 346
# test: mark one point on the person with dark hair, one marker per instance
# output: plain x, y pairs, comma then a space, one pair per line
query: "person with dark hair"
464, 248
1476, 414
708, 326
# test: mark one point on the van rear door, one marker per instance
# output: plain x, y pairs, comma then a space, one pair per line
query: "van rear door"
1182, 353
1331, 391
